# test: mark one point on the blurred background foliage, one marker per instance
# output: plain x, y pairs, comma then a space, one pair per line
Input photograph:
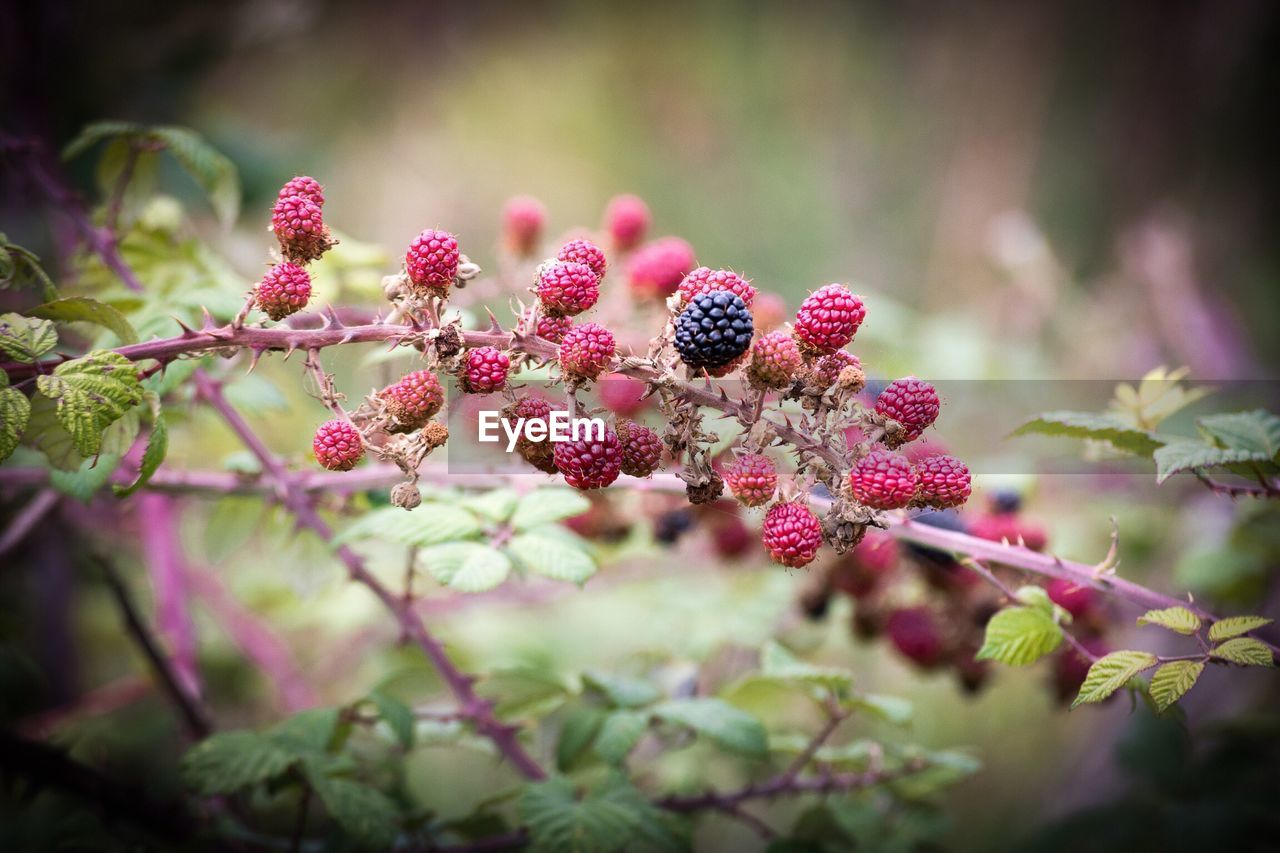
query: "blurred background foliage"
1070, 190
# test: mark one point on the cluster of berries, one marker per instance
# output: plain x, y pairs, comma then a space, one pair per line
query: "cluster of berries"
297, 221
524, 221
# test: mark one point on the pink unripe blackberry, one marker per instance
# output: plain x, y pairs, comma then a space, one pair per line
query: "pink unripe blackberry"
338, 445
432, 262
883, 480
828, 319
730, 537
552, 327
537, 453
586, 351
911, 402
862, 571
283, 290
588, 463
826, 370
704, 280
623, 395
775, 361
484, 370
752, 478
567, 288
641, 449
941, 482
656, 269
914, 632
792, 534
414, 399
626, 219
304, 186
299, 226
523, 219
769, 311
1076, 599
584, 252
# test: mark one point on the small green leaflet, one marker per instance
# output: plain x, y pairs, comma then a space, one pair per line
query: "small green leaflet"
82, 309
601, 822
92, 392
1100, 427
730, 727
157, 447
430, 524
396, 714
776, 663
1178, 619
620, 690
1257, 431
25, 339
465, 566
546, 505
619, 733
1234, 626
229, 761
892, 709
1172, 680
555, 558
1244, 650
15, 411
1111, 672
577, 733
364, 813
1018, 636
1184, 454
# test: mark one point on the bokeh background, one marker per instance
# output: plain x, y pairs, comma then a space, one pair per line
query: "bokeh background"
1020, 190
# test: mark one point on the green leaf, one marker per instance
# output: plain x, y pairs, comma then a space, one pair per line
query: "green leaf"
619, 734
1172, 680
1099, 427
730, 727
430, 524
1186, 454
157, 447
82, 309
309, 732
397, 715
227, 762
553, 558
622, 691
1018, 636
546, 505
96, 132
526, 690
496, 505
367, 815
1111, 672
559, 822
1178, 619
466, 566
15, 411
579, 730
778, 663
1244, 650
92, 393
1234, 626
892, 709
25, 339
84, 482
1257, 431
212, 170
45, 433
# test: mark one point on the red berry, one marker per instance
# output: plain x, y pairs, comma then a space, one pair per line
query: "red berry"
415, 399
1072, 597
704, 280
656, 269
883, 480
1003, 526
523, 218
731, 537
775, 360
432, 262
828, 319
862, 570
915, 634
303, 186
769, 311
911, 402
1071, 667
641, 449
792, 534
941, 481
338, 445
752, 478
553, 328
299, 227
586, 350
584, 252
826, 370
536, 453
567, 287
626, 219
623, 395
283, 290
485, 370
588, 463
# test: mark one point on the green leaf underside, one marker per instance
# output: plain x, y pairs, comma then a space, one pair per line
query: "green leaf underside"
466, 566
1019, 636
82, 309
1234, 626
613, 816
153, 456
1172, 680
92, 393
25, 339
230, 761
364, 813
729, 727
547, 505
1244, 650
429, 524
1111, 672
553, 558
1178, 619
15, 412
619, 733
1257, 431
1188, 454
622, 691
778, 663
1100, 427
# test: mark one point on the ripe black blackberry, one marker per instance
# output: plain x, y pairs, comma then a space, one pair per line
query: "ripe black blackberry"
713, 330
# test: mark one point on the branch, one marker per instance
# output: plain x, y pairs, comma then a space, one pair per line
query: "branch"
786, 785
26, 520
